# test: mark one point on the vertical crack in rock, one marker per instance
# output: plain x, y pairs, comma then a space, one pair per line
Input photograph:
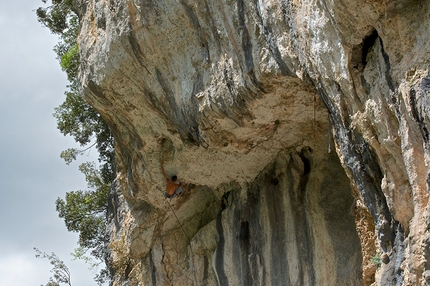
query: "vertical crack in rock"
205, 268
137, 51
388, 76
270, 38
152, 268
219, 254
246, 43
278, 247
244, 239
303, 236
297, 190
417, 116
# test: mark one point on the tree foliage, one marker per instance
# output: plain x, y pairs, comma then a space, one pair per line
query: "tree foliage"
61, 20
61, 274
78, 119
83, 211
55, 17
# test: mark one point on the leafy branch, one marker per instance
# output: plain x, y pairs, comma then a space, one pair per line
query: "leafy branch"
61, 274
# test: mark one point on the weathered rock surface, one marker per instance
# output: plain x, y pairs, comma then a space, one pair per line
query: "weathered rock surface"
239, 99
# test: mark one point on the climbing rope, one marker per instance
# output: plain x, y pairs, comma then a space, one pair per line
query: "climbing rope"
177, 219
314, 127
329, 132
186, 235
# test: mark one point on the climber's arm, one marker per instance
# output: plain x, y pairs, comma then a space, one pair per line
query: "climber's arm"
164, 173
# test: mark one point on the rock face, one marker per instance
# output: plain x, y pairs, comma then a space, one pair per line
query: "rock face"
299, 130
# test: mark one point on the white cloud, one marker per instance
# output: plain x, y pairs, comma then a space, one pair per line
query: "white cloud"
21, 270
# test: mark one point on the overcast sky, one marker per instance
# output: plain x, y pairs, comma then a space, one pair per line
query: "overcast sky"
32, 175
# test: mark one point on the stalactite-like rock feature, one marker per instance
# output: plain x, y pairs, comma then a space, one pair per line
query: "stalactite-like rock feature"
239, 100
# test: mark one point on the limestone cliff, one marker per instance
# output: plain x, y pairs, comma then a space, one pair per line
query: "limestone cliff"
298, 128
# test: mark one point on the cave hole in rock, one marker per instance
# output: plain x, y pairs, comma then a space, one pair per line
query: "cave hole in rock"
274, 181
360, 51
191, 139
304, 155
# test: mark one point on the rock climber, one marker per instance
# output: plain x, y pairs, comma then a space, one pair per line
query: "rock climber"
173, 187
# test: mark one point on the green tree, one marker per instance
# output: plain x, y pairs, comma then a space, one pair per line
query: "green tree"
78, 119
61, 274
60, 18
83, 211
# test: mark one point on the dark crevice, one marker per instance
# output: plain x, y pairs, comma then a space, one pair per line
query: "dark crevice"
219, 254
101, 22
306, 163
305, 157
245, 253
205, 268
274, 181
246, 42
388, 77
244, 232
241, 244
127, 270
416, 115
192, 138
198, 85
247, 45
137, 51
368, 43
359, 52
225, 200
153, 270
112, 212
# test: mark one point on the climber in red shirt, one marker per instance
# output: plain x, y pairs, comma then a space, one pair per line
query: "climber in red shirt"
173, 187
